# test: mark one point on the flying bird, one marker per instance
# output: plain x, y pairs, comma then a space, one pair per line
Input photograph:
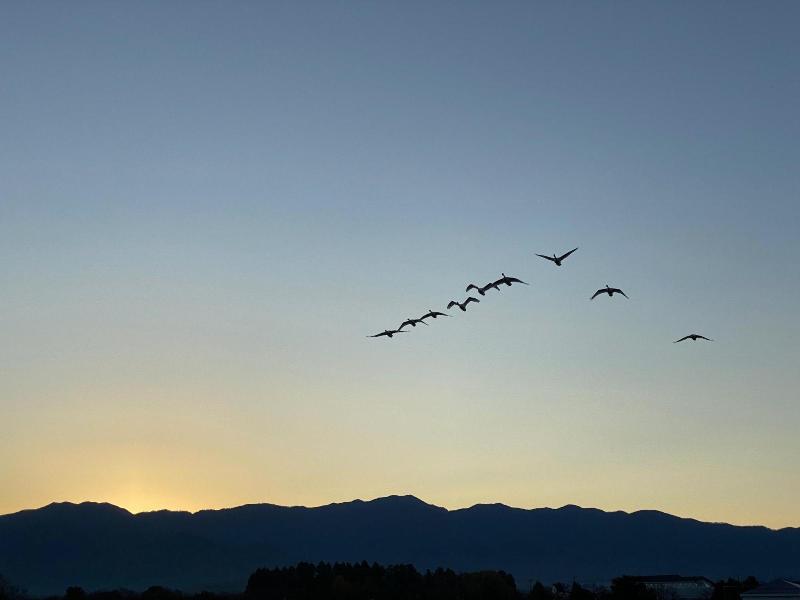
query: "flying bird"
557, 259
433, 314
484, 289
694, 337
608, 290
462, 305
387, 333
507, 280
412, 322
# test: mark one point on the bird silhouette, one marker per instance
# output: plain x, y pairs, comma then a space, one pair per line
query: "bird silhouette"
462, 305
387, 333
608, 290
433, 314
694, 337
412, 322
482, 290
557, 259
507, 280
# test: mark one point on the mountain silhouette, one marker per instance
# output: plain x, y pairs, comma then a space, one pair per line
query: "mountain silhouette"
101, 546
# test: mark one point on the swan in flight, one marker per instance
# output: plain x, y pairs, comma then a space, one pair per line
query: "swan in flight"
557, 259
508, 280
482, 290
433, 314
608, 290
694, 337
462, 305
412, 322
387, 333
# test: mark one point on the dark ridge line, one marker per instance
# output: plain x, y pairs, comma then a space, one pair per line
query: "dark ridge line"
408, 498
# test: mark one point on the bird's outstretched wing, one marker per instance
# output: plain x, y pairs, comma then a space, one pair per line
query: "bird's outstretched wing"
702, 337
550, 258
420, 321
597, 293
403, 324
515, 280
472, 286
379, 334
686, 337
567, 254
619, 291
451, 304
470, 299
432, 314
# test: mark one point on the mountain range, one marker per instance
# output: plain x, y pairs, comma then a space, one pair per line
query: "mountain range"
102, 546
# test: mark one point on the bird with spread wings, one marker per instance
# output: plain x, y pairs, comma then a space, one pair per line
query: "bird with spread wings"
694, 337
557, 259
387, 332
462, 305
608, 290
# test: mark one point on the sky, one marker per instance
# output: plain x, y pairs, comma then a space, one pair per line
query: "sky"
206, 207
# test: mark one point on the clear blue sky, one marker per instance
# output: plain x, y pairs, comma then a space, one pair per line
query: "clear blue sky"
205, 207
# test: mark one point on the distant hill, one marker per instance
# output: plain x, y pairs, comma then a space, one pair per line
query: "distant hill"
101, 546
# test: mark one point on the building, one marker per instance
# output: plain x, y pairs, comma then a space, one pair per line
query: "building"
678, 587
780, 589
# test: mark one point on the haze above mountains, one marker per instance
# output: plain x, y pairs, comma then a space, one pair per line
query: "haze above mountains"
101, 546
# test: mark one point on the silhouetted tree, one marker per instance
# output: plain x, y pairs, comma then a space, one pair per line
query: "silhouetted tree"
75, 593
441, 584
602, 593
364, 581
113, 595
489, 584
577, 592
539, 592
558, 590
9, 591
157, 592
750, 583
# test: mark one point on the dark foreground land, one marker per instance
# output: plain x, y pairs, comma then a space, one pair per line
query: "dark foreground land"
104, 547
364, 581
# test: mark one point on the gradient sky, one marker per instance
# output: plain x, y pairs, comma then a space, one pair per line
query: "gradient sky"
205, 207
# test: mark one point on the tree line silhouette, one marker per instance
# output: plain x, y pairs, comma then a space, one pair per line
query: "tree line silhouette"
364, 581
